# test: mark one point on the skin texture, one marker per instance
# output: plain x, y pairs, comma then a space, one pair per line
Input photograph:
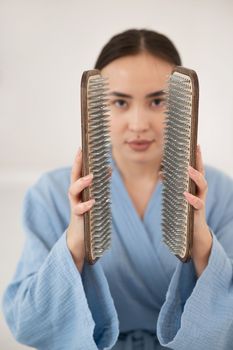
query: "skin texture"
137, 107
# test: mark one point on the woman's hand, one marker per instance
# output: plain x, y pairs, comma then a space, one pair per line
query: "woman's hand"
75, 231
202, 238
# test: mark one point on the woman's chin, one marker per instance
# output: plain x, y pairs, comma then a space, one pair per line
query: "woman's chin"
143, 157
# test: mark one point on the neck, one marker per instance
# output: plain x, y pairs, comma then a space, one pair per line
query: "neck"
136, 171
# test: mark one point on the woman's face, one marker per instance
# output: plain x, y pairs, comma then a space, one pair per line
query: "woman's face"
137, 106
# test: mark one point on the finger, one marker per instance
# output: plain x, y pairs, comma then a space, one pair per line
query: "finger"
196, 202
76, 170
161, 177
78, 186
199, 180
82, 208
199, 161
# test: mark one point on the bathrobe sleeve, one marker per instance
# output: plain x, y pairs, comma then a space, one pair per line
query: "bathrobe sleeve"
198, 313
49, 305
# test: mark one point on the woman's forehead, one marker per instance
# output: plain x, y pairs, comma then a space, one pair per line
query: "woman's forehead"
143, 72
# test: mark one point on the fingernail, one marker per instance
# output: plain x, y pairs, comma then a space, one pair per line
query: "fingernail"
187, 194
88, 177
191, 170
91, 203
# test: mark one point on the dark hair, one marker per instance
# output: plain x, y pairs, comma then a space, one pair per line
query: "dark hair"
134, 41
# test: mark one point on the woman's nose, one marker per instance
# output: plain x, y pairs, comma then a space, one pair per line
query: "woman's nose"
138, 121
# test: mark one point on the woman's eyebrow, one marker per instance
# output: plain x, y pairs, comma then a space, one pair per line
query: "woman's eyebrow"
150, 95
120, 94
156, 94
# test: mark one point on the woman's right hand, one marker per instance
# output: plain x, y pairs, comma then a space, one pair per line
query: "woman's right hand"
75, 231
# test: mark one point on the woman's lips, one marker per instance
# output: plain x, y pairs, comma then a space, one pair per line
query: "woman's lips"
140, 146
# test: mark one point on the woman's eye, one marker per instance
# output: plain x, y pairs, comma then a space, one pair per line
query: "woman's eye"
158, 102
120, 103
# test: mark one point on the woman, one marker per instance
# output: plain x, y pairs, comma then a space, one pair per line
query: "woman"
57, 301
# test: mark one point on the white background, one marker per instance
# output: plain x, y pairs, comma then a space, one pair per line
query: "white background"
44, 47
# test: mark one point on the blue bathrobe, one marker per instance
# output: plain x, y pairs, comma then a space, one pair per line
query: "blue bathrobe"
137, 285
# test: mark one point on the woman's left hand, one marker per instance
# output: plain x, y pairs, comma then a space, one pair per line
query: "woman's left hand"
202, 238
